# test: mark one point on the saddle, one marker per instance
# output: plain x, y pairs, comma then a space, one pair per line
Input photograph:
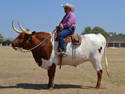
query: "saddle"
74, 38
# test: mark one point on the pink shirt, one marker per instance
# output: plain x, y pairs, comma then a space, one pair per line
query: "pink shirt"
69, 20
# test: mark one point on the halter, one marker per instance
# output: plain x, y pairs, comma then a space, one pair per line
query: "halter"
22, 50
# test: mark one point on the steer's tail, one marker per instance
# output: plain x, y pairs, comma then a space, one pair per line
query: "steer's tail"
106, 64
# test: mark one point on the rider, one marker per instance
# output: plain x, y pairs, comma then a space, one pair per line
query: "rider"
67, 26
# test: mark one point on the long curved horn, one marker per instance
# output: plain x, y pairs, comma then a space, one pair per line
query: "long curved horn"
24, 30
14, 28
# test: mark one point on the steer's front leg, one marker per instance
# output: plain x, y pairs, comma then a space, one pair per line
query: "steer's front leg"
51, 75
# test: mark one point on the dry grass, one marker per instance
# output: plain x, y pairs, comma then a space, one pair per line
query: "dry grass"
19, 74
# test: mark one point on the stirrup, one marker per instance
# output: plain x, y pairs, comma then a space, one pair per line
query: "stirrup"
61, 54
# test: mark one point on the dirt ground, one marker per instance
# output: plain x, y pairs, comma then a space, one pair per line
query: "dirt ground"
19, 74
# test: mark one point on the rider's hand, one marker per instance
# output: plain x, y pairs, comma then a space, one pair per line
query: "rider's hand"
61, 26
73, 28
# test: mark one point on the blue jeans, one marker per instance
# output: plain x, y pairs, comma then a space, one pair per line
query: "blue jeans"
61, 35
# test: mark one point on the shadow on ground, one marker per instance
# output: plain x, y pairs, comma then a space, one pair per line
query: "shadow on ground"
44, 86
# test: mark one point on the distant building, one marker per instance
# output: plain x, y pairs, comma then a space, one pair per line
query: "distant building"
116, 41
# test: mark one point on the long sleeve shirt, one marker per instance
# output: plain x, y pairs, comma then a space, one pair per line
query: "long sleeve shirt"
69, 20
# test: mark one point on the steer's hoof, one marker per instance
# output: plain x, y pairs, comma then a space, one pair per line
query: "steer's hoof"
51, 88
97, 87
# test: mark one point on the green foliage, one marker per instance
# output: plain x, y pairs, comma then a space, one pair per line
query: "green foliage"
96, 30
6, 42
120, 34
1, 38
87, 30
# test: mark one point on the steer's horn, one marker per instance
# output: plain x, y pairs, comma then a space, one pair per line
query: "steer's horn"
27, 31
14, 28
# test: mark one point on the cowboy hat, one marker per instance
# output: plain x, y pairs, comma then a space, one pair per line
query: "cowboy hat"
69, 6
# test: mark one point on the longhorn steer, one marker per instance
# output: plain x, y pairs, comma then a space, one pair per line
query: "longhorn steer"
91, 49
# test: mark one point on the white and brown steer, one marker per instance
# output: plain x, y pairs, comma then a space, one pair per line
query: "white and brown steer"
91, 49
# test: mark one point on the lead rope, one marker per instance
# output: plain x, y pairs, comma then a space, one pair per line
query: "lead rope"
72, 52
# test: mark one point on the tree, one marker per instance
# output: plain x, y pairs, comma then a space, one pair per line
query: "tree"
1, 38
96, 30
120, 34
6, 43
87, 30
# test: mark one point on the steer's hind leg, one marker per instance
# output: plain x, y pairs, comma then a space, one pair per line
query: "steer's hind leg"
96, 61
99, 75
51, 75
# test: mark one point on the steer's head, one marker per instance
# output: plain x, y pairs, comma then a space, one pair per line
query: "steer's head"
23, 40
